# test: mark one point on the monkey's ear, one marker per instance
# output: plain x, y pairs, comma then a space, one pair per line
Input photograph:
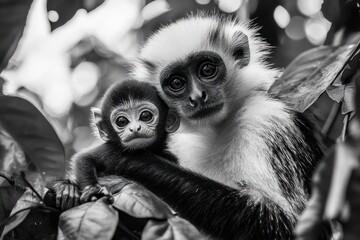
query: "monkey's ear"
241, 51
172, 122
98, 122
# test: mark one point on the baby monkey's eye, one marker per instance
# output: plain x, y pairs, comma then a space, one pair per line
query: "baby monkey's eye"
121, 121
146, 116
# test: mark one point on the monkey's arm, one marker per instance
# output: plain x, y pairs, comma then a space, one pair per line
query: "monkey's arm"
217, 210
81, 172
86, 167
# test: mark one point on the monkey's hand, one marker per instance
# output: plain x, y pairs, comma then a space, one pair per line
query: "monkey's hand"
67, 194
93, 192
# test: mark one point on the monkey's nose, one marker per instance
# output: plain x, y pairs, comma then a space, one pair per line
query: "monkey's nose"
198, 99
137, 129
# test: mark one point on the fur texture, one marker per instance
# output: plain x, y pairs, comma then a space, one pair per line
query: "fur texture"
256, 161
87, 166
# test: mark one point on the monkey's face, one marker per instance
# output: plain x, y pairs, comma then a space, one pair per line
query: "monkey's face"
194, 86
200, 66
135, 123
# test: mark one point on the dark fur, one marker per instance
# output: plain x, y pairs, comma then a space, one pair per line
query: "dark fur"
86, 167
94, 163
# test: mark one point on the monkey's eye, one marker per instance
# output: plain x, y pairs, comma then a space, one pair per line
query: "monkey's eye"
146, 116
207, 70
121, 121
177, 84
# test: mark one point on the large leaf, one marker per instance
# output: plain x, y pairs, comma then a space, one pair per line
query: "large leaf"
12, 156
8, 198
93, 220
139, 202
21, 210
33, 133
308, 76
12, 22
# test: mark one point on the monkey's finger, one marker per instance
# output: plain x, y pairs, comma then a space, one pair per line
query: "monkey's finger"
59, 193
77, 197
94, 198
65, 198
86, 196
83, 197
71, 202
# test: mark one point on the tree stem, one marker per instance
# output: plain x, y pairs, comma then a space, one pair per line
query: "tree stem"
345, 126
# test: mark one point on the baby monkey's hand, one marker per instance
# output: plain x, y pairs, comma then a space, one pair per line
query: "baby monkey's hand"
66, 193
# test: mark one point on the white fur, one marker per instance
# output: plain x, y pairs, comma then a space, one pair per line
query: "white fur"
232, 157
234, 151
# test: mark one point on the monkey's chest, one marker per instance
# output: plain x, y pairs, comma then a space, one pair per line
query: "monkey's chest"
201, 153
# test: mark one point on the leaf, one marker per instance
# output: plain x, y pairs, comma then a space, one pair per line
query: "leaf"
13, 157
26, 202
350, 69
348, 104
33, 133
175, 228
12, 22
8, 198
93, 220
336, 92
15, 221
308, 76
139, 202
113, 183
344, 94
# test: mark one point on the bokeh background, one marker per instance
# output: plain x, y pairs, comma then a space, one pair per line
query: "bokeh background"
71, 51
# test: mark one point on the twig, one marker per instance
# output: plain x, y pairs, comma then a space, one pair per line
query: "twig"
8, 178
348, 60
31, 187
329, 123
345, 126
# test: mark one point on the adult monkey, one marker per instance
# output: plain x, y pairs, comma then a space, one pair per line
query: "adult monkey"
253, 156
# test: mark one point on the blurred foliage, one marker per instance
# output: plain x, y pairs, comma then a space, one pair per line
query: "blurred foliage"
11, 27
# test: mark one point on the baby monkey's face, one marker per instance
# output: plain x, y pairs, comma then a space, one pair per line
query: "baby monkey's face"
135, 123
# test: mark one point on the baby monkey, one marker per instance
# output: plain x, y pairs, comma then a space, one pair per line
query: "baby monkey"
132, 118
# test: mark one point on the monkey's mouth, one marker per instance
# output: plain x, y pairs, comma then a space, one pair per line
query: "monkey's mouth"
138, 141
205, 111
136, 136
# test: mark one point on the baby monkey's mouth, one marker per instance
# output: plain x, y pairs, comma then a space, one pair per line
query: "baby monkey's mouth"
139, 141
138, 136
